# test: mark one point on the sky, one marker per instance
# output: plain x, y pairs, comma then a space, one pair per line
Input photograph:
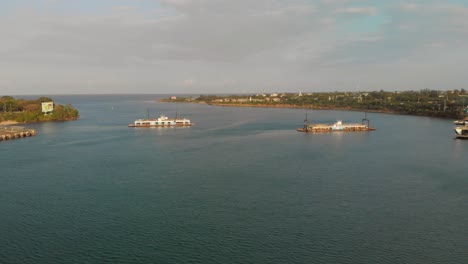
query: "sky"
231, 46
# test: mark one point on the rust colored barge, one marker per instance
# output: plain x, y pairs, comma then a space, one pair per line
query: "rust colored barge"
338, 126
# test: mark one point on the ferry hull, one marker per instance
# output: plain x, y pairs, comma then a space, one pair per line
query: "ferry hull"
325, 130
336, 127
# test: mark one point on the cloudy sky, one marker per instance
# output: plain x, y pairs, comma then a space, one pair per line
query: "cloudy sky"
231, 46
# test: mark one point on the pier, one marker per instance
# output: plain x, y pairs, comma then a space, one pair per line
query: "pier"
14, 132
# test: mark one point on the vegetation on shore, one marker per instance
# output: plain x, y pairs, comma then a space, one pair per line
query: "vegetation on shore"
30, 111
445, 104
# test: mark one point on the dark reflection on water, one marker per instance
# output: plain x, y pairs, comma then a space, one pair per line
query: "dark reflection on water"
241, 186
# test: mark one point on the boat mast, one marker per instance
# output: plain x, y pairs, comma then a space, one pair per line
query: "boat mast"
365, 119
306, 121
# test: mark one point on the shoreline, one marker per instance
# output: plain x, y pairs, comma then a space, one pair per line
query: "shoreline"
305, 107
8, 123
286, 106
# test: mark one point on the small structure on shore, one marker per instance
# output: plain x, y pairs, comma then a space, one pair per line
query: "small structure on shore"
14, 132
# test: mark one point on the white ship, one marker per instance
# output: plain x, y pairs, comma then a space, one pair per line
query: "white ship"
162, 121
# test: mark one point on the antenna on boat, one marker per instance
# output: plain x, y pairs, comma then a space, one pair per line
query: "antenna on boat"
306, 123
365, 119
175, 116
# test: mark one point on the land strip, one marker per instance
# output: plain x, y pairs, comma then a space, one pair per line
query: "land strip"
443, 104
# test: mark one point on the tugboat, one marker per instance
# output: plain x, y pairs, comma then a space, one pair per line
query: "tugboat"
162, 121
338, 126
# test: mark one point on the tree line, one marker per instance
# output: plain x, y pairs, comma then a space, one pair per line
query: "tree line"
446, 104
27, 111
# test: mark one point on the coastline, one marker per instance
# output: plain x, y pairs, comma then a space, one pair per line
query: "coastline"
303, 107
287, 106
311, 107
8, 123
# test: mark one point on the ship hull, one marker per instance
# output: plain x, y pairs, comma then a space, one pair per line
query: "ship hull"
336, 127
327, 130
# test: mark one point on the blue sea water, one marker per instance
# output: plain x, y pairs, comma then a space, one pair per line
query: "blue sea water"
241, 186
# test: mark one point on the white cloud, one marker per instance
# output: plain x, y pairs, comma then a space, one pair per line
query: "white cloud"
188, 82
51, 2
334, 1
409, 6
369, 11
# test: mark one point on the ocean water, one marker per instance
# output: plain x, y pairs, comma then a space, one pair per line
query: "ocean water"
241, 186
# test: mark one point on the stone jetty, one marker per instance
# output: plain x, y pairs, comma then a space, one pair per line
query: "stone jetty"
14, 132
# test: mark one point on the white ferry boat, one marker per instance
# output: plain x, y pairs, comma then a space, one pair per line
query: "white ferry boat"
162, 121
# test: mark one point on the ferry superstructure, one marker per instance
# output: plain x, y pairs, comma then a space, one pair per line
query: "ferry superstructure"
162, 121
